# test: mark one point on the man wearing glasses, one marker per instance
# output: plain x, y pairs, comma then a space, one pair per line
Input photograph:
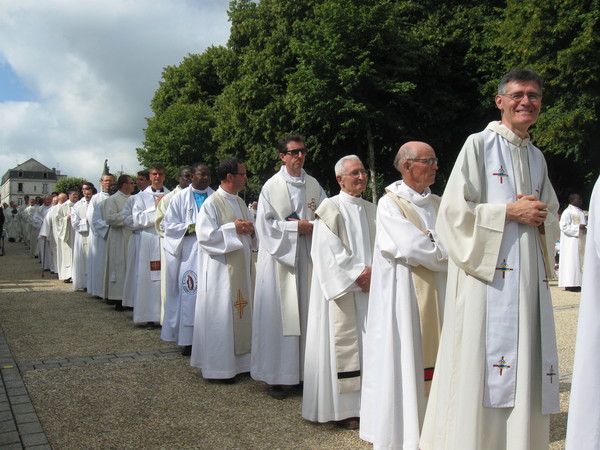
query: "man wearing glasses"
496, 379
405, 305
284, 223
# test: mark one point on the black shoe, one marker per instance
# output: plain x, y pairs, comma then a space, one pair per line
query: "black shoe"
111, 302
352, 423
186, 350
119, 306
277, 392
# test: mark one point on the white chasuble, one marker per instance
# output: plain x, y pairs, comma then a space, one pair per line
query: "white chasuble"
222, 327
343, 239
583, 430
572, 244
473, 227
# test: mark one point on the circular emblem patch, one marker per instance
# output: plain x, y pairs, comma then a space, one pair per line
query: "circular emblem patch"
189, 282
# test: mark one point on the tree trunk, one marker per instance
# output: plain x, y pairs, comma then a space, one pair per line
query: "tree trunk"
371, 162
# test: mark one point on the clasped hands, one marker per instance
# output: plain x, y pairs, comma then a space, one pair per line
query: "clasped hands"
527, 210
243, 226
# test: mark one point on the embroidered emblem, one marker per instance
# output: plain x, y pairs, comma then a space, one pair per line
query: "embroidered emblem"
154, 265
547, 282
501, 174
502, 365
504, 268
551, 374
189, 282
313, 204
240, 303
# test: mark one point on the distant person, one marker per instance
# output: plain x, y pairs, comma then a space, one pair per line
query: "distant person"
572, 244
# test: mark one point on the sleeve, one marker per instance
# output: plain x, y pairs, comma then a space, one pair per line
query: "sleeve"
470, 229
98, 221
174, 224
111, 214
215, 239
142, 216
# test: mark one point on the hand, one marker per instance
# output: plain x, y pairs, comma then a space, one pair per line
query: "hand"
304, 226
243, 226
583, 228
158, 199
364, 279
527, 210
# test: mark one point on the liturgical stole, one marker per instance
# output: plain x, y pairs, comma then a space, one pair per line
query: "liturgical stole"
502, 330
288, 288
238, 279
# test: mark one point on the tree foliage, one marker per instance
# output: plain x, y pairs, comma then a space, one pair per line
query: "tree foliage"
365, 76
64, 184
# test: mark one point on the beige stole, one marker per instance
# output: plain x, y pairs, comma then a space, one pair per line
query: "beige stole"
236, 268
342, 310
288, 288
426, 293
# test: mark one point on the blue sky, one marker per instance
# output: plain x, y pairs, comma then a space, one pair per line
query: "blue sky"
77, 77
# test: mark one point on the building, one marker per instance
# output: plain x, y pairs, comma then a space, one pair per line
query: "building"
29, 178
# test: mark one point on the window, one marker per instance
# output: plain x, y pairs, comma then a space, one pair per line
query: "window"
20, 174
20, 187
45, 188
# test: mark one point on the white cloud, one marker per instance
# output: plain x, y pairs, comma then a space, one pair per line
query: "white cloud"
93, 67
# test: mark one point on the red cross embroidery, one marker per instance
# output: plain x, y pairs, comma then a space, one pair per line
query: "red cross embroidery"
313, 204
501, 174
504, 268
502, 365
551, 374
240, 303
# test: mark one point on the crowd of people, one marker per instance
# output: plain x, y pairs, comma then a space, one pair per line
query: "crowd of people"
425, 321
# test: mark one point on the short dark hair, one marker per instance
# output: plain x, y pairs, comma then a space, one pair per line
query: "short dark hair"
283, 142
199, 164
107, 175
72, 190
573, 196
519, 74
144, 173
87, 183
228, 165
180, 173
122, 180
157, 167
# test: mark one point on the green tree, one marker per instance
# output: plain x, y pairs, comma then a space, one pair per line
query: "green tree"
64, 184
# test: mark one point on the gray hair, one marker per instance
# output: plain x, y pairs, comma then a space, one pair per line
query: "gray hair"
339, 166
519, 75
405, 152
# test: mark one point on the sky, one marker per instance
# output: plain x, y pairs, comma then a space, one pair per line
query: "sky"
77, 76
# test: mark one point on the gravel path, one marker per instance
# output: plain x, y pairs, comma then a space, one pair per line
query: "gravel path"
96, 380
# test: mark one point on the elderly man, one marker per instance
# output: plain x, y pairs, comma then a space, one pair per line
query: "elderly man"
116, 242
497, 372
284, 224
80, 244
146, 301
573, 227
341, 252
97, 238
50, 259
223, 323
584, 413
405, 305
181, 254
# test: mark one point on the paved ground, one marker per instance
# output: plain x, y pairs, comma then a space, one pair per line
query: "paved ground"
77, 374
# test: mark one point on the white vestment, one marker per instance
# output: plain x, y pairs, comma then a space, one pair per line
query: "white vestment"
54, 220
22, 222
11, 223
46, 233
213, 344
336, 266
278, 358
36, 223
116, 246
66, 238
473, 230
96, 244
182, 259
132, 246
583, 428
393, 389
146, 301
80, 245
43, 249
572, 244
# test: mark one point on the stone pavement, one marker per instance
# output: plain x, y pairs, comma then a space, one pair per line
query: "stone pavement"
77, 374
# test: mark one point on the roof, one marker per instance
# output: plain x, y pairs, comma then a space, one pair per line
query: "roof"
31, 165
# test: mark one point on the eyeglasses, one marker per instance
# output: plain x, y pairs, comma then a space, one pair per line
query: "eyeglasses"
518, 96
357, 173
428, 161
244, 174
296, 152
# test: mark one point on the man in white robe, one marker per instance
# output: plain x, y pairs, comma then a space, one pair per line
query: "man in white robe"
22, 221
182, 258
405, 305
146, 302
142, 182
116, 241
49, 245
11, 221
56, 230
97, 238
66, 236
168, 273
34, 226
38, 221
80, 245
223, 322
572, 244
342, 244
584, 404
284, 223
496, 378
